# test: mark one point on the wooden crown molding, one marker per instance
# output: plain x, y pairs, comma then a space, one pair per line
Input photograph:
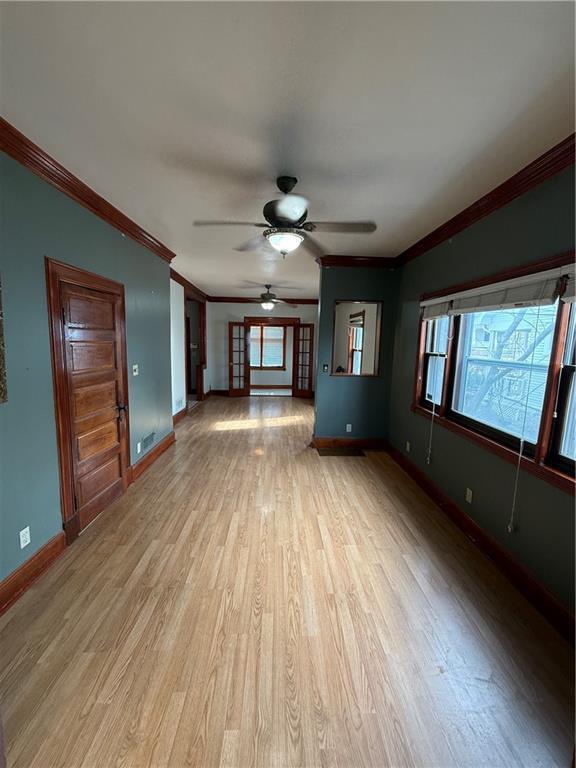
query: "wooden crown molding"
20, 148
246, 300
550, 163
191, 291
376, 262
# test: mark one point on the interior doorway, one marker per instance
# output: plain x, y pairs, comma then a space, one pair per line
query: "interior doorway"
270, 356
193, 312
87, 325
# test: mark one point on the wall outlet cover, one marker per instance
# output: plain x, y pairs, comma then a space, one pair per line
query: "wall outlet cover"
348, 427
24, 537
469, 495
138, 447
407, 446
135, 370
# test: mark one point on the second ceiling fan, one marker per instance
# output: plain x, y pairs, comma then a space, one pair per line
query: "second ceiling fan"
287, 227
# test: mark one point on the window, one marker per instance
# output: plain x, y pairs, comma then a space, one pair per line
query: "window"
498, 361
267, 347
564, 425
355, 342
435, 352
500, 381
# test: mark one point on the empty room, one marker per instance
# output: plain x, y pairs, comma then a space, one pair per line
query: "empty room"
287, 384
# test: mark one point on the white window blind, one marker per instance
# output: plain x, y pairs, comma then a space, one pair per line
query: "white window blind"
538, 289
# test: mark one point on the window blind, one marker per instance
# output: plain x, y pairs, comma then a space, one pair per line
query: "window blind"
538, 289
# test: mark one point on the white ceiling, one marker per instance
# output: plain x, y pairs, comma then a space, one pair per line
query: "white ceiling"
404, 113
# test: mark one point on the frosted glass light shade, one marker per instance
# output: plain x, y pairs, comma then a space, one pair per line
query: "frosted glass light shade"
267, 305
283, 241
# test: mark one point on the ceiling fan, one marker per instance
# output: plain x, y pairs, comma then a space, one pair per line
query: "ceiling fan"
268, 300
287, 227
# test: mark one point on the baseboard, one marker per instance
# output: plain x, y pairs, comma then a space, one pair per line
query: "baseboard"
179, 416
270, 386
14, 585
370, 443
142, 465
219, 392
544, 601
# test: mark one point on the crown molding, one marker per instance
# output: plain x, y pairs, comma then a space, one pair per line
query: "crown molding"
191, 291
375, 262
31, 156
246, 300
550, 163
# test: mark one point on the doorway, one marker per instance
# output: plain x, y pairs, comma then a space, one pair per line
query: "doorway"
87, 328
270, 356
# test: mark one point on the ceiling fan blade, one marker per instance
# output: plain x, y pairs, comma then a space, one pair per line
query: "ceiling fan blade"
313, 247
229, 224
254, 244
339, 226
291, 207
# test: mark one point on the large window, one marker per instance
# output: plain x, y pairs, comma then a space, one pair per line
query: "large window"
499, 362
267, 347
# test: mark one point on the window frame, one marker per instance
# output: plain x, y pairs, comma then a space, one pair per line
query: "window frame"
542, 458
263, 327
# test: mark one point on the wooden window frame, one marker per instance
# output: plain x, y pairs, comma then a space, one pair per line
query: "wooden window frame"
541, 459
351, 348
261, 367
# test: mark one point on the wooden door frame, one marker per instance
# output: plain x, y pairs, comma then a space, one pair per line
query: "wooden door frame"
295, 360
56, 274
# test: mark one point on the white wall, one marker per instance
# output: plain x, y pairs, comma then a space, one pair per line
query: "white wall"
177, 342
219, 314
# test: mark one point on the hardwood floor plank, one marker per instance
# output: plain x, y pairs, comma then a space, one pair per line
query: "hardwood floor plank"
250, 603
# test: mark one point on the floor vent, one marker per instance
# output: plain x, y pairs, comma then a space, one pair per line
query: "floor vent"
148, 440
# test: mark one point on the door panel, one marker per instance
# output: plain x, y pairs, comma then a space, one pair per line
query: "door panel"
93, 336
238, 360
303, 362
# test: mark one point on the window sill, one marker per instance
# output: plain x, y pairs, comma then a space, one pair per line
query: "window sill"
550, 474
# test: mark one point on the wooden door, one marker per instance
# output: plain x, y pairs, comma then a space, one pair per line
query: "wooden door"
303, 361
238, 360
91, 392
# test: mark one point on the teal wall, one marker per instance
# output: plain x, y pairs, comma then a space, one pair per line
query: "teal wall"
537, 225
357, 400
37, 221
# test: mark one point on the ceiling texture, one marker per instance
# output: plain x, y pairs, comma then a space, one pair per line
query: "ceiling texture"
404, 113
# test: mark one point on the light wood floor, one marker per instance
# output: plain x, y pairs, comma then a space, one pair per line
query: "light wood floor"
248, 603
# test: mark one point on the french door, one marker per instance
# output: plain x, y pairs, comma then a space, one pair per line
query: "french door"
303, 360
238, 360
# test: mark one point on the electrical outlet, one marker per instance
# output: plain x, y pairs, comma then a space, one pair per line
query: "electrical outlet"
24, 537
138, 447
407, 446
135, 370
348, 427
325, 368
469, 495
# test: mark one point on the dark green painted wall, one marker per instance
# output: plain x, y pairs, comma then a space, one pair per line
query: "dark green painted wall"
36, 221
532, 227
360, 401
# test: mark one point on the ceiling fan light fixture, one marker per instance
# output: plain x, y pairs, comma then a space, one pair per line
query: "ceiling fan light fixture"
267, 305
283, 240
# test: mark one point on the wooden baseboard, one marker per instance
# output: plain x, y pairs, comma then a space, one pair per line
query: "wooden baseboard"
219, 392
179, 416
544, 601
142, 465
369, 443
26, 574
